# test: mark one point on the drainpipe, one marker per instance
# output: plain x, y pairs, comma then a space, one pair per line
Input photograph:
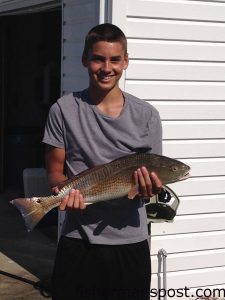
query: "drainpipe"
162, 255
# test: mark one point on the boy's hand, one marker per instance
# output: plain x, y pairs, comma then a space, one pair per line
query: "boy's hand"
74, 200
55, 190
149, 185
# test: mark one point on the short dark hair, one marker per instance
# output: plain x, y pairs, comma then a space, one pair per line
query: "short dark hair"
104, 32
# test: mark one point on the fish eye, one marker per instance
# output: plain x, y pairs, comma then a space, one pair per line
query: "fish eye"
174, 168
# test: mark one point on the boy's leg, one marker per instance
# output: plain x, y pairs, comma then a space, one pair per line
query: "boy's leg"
101, 272
131, 275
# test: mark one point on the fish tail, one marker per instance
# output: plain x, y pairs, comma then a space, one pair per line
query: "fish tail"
31, 210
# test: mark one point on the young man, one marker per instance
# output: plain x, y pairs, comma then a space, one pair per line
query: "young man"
103, 252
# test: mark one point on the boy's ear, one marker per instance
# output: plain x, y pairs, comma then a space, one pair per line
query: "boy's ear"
84, 60
126, 60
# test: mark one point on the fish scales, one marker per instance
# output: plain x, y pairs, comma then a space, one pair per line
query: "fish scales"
102, 183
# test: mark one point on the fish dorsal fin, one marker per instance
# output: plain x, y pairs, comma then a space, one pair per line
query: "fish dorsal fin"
78, 176
66, 182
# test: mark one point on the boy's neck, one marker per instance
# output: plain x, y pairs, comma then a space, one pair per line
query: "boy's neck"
105, 97
110, 102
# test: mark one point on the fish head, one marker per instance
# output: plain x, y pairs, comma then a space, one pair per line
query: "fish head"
177, 172
169, 170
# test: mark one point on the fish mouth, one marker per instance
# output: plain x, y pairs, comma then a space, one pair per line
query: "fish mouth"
186, 176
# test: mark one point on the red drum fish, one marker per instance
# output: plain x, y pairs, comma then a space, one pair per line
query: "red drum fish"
103, 183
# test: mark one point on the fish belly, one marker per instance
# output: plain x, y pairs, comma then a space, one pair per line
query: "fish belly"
110, 188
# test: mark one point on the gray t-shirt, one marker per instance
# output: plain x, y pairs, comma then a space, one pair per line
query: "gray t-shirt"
92, 138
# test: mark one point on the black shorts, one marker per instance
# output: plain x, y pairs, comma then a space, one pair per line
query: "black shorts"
85, 271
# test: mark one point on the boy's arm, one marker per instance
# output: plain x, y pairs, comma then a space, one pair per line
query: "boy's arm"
55, 158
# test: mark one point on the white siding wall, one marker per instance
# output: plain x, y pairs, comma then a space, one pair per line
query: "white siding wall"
177, 62
78, 17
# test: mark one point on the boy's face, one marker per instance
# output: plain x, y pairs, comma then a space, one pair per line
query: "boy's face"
105, 63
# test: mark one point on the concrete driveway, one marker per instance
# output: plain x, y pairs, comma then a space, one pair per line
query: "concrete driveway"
26, 259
